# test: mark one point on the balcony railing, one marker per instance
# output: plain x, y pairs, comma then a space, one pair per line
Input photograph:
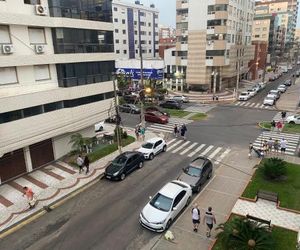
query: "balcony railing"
83, 48
84, 80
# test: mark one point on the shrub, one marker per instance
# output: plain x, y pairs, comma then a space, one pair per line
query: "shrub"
274, 168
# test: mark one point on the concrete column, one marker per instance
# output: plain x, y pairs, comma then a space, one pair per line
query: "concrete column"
27, 159
176, 84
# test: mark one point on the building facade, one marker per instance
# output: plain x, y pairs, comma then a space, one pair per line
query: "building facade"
258, 65
213, 42
167, 39
56, 61
135, 25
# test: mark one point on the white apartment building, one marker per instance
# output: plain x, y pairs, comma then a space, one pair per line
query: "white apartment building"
56, 59
135, 24
213, 40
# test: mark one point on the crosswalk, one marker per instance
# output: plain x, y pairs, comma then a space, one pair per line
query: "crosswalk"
277, 117
168, 128
193, 149
199, 108
254, 105
292, 140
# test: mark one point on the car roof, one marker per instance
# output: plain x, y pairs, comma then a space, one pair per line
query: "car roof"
129, 153
198, 162
171, 189
245, 92
155, 139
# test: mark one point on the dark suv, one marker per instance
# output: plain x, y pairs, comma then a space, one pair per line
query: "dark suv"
171, 104
197, 173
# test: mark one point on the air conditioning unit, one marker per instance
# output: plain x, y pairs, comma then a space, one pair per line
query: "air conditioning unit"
39, 49
41, 10
7, 48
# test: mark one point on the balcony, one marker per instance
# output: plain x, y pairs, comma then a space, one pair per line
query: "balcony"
221, 29
83, 48
216, 45
222, 1
221, 15
216, 61
84, 80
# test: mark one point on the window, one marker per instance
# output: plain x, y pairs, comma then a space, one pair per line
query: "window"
136, 51
118, 51
32, 2
124, 32
149, 24
135, 22
36, 35
149, 33
149, 42
123, 21
124, 41
115, 20
135, 32
53, 106
4, 34
125, 51
150, 50
117, 41
36, 110
115, 9
8, 75
116, 30
41, 72
256, 36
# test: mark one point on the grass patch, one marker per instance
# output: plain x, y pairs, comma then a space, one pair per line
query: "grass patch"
288, 190
177, 112
284, 239
266, 125
108, 149
198, 117
291, 128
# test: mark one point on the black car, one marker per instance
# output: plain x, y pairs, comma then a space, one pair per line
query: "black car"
171, 104
197, 173
154, 108
129, 108
124, 164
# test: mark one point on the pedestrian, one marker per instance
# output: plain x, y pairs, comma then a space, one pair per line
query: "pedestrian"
80, 162
175, 130
265, 147
270, 143
283, 116
279, 126
183, 131
250, 150
217, 98
196, 217
30, 196
210, 220
276, 146
283, 143
213, 97
273, 125
143, 130
86, 163
137, 133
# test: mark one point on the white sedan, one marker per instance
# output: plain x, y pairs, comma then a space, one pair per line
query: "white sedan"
252, 92
153, 147
293, 119
281, 88
244, 96
269, 100
165, 206
180, 98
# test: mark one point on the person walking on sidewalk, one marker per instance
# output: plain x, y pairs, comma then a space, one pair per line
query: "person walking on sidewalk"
86, 163
283, 143
273, 125
80, 163
283, 116
196, 217
210, 219
175, 130
270, 145
183, 131
30, 196
279, 126
276, 146
143, 131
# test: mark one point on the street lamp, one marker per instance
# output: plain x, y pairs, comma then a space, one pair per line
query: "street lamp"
214, 74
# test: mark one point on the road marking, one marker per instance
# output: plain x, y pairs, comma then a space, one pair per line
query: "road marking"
247, 104
180, 147
213, 154
206, 150
196, 150
238, 103
222, 156
252, 104
174, 145
262, 106
257, 105
242, 104
189, 148
169, 142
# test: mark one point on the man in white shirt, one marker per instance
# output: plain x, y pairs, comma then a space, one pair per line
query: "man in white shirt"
196, 217
283, 143
79, 162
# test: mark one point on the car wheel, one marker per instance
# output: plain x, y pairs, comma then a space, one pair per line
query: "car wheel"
209, 175
292, 122
198, 189
188, 201
168, 224
151, 156
141, 164
165, 148
122, 177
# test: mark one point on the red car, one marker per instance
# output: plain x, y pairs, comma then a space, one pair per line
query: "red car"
155, 116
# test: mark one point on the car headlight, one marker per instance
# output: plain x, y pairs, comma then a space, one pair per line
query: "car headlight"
116, 173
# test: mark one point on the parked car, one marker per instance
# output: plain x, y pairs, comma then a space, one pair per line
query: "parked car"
130, 98
282, 88
197, 173
124, 164
171, 104
165, 206
156, 116
153, 147
293, 119
129, 108
252, 92
111, 119
288, 82
180, 98
275, 92
99, 126
155, 108
256, 88
244, 96
298, 73
269, 100
290, 67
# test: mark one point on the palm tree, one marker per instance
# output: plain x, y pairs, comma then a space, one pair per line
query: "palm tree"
77, 141
244, 234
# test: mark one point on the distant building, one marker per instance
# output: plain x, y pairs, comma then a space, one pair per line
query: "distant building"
258, 65
167, 39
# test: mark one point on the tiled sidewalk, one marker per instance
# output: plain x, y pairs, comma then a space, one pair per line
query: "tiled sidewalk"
50, 184
267, 210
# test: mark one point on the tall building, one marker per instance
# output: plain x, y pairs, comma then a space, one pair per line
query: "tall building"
213, 43
56, 61
135, 24
167, 39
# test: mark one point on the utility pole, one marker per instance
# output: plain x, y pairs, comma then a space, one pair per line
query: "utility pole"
142, 85
118, 118
237, 77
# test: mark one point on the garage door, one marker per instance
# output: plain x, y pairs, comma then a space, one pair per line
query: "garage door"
41, 153
12, 164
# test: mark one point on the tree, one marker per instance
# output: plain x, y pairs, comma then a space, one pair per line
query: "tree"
274, 168
244, 234
122, 81
79, 143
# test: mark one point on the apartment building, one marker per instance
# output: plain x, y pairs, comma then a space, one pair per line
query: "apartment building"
135, 24
56, 61
213, 42
167, 39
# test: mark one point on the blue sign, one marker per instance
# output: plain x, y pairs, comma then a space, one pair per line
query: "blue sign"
135, 74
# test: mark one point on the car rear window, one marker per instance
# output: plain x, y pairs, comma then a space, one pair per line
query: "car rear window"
179, 184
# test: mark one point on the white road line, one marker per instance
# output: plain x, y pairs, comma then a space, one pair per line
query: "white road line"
180, 147
222, 156
196, 150
169, 142
238, 103
262, 106
247, 104
189, 148
160, 129
206, 150
242, 103
213, 154
252, 104
257, 105
174, 145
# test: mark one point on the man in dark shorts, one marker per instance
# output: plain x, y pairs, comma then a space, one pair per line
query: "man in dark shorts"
283, 144
210, 220
196, 217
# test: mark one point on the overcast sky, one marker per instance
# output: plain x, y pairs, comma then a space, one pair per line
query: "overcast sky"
167, 11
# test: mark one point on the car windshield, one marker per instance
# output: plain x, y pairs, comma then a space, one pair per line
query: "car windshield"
244, 93
147, 145
269, 98
192, 171
157, 113
161, 202
120, 160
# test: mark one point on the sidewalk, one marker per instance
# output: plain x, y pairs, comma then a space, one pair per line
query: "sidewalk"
50, 184
289, 101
